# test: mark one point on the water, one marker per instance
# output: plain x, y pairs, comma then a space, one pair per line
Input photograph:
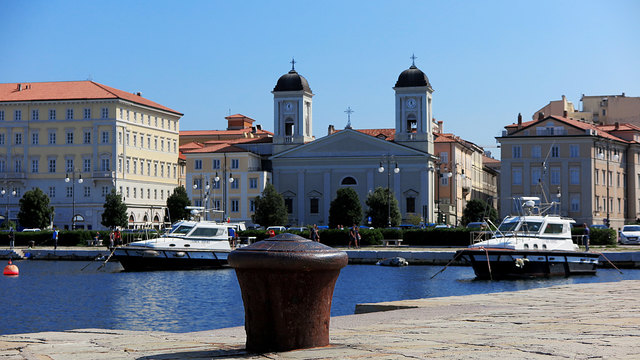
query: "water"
58, 295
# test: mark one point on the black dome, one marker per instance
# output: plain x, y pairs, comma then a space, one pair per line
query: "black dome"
412, 77
292, 81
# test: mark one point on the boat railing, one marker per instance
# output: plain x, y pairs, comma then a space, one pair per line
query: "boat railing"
479, 236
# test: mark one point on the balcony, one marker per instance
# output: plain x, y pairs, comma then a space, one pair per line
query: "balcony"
102, 174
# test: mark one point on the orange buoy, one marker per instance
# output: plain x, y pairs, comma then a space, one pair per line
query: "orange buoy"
11, 270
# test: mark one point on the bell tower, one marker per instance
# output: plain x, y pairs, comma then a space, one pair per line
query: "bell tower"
292, 111
413, 109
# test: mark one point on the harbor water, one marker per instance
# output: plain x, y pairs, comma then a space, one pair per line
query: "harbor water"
61, 295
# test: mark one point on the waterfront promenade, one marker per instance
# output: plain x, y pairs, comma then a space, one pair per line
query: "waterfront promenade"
578, 321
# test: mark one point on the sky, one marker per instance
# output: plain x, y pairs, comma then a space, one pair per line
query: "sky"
486, 60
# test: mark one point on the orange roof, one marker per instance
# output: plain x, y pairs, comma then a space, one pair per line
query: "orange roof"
217, 148
70, 90
191, 146
220, 132
489, 160
602, 129
389, 134
240, 141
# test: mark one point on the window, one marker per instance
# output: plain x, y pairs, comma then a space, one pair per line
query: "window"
198, 165
516, 152
536, 152
197, 183
288, 202
215, 164
516, 176
411, 204
314, 205
128, 165
444, 157
52, 114
574, 150
444, 180
105, 191
3, 166
86, 165
52, 137
555, 151
553, 229
86, 138
52, 191
69, 191
235, 184
349, 181
555, 176
35, 138
87, 113
52, 165
104, 164
69, 165
69, 114
34, 165
1, 115
1, 139
574, 176
105, 113
253, 183
35, 114
69, 137
17, 115
536, 176
87, 191
18, 139
235, 163
252, 205
235, 206
105, 137
135, 140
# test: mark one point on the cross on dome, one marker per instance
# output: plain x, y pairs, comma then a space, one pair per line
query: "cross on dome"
293, 64
349, 112
413, 59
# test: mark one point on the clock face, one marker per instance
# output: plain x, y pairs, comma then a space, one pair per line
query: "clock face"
411, 103
288, 106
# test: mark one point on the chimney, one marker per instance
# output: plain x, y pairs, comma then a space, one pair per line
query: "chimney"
540, 115
331, 130
258, 127
19, 87
440, 127
253, 129
617, 125
139, 93
519, 120
565, 113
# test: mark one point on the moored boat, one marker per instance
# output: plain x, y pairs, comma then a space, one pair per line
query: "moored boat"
189, 245
532, 244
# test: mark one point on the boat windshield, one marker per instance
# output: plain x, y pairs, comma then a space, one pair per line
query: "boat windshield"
508, 226
182, 229
530, 227
208, 232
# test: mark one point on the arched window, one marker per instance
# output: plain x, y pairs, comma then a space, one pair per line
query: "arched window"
349, 181
131, 218
289, 127
412, 123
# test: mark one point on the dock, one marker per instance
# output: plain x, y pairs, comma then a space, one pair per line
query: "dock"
578, 321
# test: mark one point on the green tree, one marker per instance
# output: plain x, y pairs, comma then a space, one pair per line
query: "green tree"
270, 208
177, 202
345, 209
477, 210
379, 211
35, 211
115, 211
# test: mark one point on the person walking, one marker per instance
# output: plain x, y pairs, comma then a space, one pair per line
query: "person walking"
111, 240
118, 237
315, 235
55, 238
12, 239
585, 238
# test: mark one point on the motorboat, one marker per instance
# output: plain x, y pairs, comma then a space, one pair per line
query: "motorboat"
534, 243
188, 245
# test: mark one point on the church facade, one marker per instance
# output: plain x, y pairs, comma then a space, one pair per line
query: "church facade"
309, 172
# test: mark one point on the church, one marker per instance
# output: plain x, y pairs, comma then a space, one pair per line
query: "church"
309, 172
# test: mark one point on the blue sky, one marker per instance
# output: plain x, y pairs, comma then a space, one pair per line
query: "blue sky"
486, 60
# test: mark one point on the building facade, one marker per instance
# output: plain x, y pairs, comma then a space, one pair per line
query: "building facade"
596, 109
591, 170
77, 140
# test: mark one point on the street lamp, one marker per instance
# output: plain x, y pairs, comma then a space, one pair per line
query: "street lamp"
396, 170
6, 210
73, 195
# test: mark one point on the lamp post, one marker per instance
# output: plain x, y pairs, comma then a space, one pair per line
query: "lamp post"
73, 195
396, 170
6, 210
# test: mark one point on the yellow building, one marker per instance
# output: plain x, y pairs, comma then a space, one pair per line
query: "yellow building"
77, 140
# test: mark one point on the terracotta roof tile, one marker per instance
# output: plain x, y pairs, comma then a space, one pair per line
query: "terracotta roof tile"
217, 148
71, 90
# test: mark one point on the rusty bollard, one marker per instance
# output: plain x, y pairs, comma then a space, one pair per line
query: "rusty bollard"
287, 285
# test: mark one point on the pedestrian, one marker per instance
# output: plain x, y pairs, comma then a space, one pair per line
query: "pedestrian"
55, 238
96, 239
356, 236
232, 237
585, 237
315, 235
118, 237
111, 240
12, 239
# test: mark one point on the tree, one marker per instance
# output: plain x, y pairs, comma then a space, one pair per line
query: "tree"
345, 209
378, 203
115, 211
270, 208
177, 202
35, 211
477, 210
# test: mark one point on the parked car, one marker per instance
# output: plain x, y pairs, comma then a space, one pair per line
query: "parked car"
598, 226
630, 234
478, 225
297, 229
277, 228
31, 230
442, 226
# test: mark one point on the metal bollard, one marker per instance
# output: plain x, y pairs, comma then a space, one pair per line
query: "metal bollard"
287, 285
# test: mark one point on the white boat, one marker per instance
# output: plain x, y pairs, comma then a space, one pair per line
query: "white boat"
532, 244
188, 245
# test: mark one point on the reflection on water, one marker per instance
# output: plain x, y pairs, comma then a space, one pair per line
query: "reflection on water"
58, 295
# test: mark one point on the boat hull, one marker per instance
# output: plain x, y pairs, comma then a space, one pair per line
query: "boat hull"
141, 259
519, 264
